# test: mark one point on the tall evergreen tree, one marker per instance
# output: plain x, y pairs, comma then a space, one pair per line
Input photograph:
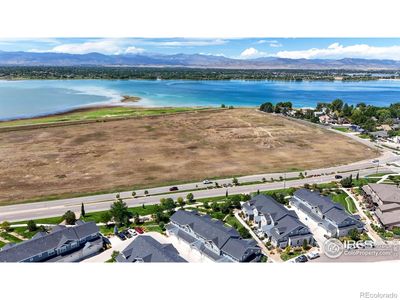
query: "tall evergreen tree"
83, 213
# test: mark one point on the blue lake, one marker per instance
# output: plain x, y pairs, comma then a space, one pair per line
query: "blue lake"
40, 97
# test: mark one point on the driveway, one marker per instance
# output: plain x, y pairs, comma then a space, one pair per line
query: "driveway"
117, 245
192, 256
315, 229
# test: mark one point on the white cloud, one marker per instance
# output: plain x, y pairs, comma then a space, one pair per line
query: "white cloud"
103, 46
271, 43
189, 43
275, 44
212, 54
134, 50
338, 51
106, 46
252, 53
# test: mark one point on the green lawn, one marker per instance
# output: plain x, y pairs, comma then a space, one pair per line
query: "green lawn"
394, 177
377, 174
2, 244
345, 201
10, 238
329, 185
364, 136
152, 227
231, 220
147, 226
52, 220
294, 253
212, 199
364, 181
98, 114
342, 129
107, 230
23, 231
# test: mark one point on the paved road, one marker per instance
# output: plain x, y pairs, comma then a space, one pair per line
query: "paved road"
102, 202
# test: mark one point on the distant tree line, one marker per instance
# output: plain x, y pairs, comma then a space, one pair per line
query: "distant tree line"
101, 72
366, 116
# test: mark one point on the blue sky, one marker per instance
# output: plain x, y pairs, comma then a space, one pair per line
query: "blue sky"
246, 48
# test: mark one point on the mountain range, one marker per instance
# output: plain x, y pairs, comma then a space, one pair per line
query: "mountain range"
190, 61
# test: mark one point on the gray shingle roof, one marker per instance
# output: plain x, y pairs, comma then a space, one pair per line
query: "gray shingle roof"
227, 239
315, 199
205, 226
237, 247
268, 205
386, 192
285, 220
147, 249
333, 211
45, 242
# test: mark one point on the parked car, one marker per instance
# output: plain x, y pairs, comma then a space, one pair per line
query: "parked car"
174, 188
206, 181
312, 255
121, 236
338, 176
301, 259
127, 234
106, 243
132, 232
375, 161
139, 230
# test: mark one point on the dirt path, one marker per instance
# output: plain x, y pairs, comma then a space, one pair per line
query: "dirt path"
163, 150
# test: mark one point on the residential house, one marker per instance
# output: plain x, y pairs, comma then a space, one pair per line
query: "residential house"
379, 134
147, 249
279, 224
384, 127
385, 199
212, 238
325, 119
331, 216
62, 244
318, 114
356, 128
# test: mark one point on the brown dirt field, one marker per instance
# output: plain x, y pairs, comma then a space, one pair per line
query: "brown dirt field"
152, 151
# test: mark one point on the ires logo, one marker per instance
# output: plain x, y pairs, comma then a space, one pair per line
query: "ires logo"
354, 245
334, 248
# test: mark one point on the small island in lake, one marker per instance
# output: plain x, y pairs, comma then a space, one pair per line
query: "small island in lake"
127, 98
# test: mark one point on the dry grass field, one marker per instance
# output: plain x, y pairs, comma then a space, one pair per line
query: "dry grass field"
150, 151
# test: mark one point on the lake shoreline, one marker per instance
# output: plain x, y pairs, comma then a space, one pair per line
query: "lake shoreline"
41, 98
125, 101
